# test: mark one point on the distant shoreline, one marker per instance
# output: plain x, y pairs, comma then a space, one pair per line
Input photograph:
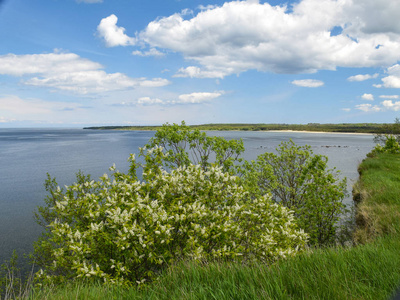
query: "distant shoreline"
329, 132
345, 128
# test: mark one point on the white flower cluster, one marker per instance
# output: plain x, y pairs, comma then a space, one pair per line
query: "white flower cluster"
126, 230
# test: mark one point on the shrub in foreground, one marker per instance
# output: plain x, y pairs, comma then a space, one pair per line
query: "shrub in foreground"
302, 182
295, 177
123, 230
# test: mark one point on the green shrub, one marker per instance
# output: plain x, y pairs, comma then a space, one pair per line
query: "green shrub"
388, 130
391, 145
301, 181
122, 230
185, 145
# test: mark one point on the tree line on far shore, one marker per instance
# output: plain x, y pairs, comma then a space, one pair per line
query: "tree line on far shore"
340, 128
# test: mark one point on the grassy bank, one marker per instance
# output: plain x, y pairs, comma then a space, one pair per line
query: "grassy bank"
369, 270
352, 128
378, 194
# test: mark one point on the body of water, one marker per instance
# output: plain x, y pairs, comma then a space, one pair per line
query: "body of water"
26, 155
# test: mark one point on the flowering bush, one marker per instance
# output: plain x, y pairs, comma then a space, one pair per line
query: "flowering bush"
123, 230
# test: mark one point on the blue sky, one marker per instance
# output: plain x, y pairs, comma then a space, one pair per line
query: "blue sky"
75, 63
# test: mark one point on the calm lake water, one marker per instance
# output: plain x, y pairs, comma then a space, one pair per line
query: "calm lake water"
26, 155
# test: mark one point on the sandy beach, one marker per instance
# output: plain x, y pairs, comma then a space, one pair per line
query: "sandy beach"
305, 131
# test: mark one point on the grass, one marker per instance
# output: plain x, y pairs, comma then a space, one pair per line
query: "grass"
365, 272
322, 274
379, 192
369, 270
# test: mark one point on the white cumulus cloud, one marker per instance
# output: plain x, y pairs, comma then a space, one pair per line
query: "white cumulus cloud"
312, 83
155, 82
391, 82
386, 105
151, 52
390, 105
95, 81
393, 78
50, 63
112, 34
196, 72
243, 35
197, 97
368, 107
389, 96
192, 98
369, 97
70, 72
207, 7
361, 77
149, 101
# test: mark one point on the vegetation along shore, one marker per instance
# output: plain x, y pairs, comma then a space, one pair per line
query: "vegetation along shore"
223, 229
312, 127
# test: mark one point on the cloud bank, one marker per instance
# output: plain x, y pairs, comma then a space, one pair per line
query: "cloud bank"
244, 35
70, 72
